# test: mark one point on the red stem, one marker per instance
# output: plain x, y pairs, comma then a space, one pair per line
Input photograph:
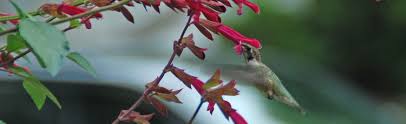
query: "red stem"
158, 80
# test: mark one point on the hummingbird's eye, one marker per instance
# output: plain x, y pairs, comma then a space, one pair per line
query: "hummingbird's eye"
247, 49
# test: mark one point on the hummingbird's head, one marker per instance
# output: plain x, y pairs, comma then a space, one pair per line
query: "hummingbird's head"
251, 53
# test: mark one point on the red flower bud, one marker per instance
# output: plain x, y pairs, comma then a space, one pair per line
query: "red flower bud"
251, 5
197, 7
59, 10
230, 34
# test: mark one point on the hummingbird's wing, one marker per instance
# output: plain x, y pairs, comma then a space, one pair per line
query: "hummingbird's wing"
281, 94
242, 73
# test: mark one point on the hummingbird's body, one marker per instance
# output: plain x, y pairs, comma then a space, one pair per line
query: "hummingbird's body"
265, 79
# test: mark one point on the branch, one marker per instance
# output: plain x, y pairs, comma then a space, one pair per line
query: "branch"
8, 18
196, 111
15, 58
88, 13
158, 80
35, 13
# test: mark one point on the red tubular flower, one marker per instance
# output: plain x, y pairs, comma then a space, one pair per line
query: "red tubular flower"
59, 10
236, 117
14, 22
176, 4
230, 34
101, 3
198, 85
197, 7
235, 36
5, 61
73, 10
210, 107
251, 5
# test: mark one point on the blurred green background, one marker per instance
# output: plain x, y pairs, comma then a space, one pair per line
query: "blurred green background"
343, 60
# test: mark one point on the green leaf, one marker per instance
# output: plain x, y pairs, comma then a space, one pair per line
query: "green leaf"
74, 23
2, 28
36, 93
49, 44
82, 62
20, 71
20, 12
34, 87
15, 43
2, 122
39, 92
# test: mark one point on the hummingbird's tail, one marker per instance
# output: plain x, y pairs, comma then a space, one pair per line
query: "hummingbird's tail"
290, 102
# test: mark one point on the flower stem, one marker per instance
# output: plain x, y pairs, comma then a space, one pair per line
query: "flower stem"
158, 80
14, 17
15, 58
34, 13
196, 111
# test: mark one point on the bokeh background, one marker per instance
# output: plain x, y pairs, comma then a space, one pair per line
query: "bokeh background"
343, 60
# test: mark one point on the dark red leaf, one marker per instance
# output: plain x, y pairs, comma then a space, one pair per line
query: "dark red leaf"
156, 8
156, 88
136, 117
178, 48
161, 108
184, 77
204, 31
197, 51
210, 25
127, 14
170, 97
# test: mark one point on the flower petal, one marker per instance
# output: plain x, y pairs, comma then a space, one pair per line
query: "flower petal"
253, 6
237, 118
238, 49
210, 107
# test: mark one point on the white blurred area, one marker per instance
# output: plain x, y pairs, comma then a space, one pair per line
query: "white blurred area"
131, 55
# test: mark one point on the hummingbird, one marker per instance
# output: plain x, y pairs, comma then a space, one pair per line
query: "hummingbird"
265, 79
256, 73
